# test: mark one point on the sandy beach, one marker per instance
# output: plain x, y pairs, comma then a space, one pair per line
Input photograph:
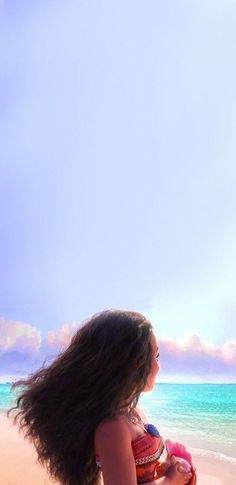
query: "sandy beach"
18, 463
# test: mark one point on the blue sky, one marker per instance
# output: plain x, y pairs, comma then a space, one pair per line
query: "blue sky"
117, 183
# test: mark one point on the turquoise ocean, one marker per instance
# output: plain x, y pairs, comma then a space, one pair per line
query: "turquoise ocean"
201, 416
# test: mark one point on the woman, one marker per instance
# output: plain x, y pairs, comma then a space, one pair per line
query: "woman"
81, 412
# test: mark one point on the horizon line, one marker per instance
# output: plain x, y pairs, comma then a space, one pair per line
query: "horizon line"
156, 383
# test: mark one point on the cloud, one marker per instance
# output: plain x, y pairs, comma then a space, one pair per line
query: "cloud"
22, 350
20, 345
229, 352
19, 336
192, 355
62, 337
16, 363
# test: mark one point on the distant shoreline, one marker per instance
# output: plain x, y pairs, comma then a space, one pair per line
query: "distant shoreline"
158, 383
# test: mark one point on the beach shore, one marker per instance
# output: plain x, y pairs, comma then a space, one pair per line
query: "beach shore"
18, 462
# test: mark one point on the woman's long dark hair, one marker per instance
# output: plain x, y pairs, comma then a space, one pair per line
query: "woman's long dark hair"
104, 369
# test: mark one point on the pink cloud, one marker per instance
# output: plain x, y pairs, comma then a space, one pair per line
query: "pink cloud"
169, 345
62, 337
192, 354
20, 336
229, 352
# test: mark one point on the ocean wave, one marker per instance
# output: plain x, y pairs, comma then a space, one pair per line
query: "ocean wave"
220, 458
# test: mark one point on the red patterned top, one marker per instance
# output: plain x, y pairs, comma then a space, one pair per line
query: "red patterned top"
147, 450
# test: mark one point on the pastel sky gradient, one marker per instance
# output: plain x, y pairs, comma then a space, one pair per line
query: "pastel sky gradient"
118, 176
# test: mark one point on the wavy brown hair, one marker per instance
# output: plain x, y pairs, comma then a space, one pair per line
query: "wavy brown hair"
104, 370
